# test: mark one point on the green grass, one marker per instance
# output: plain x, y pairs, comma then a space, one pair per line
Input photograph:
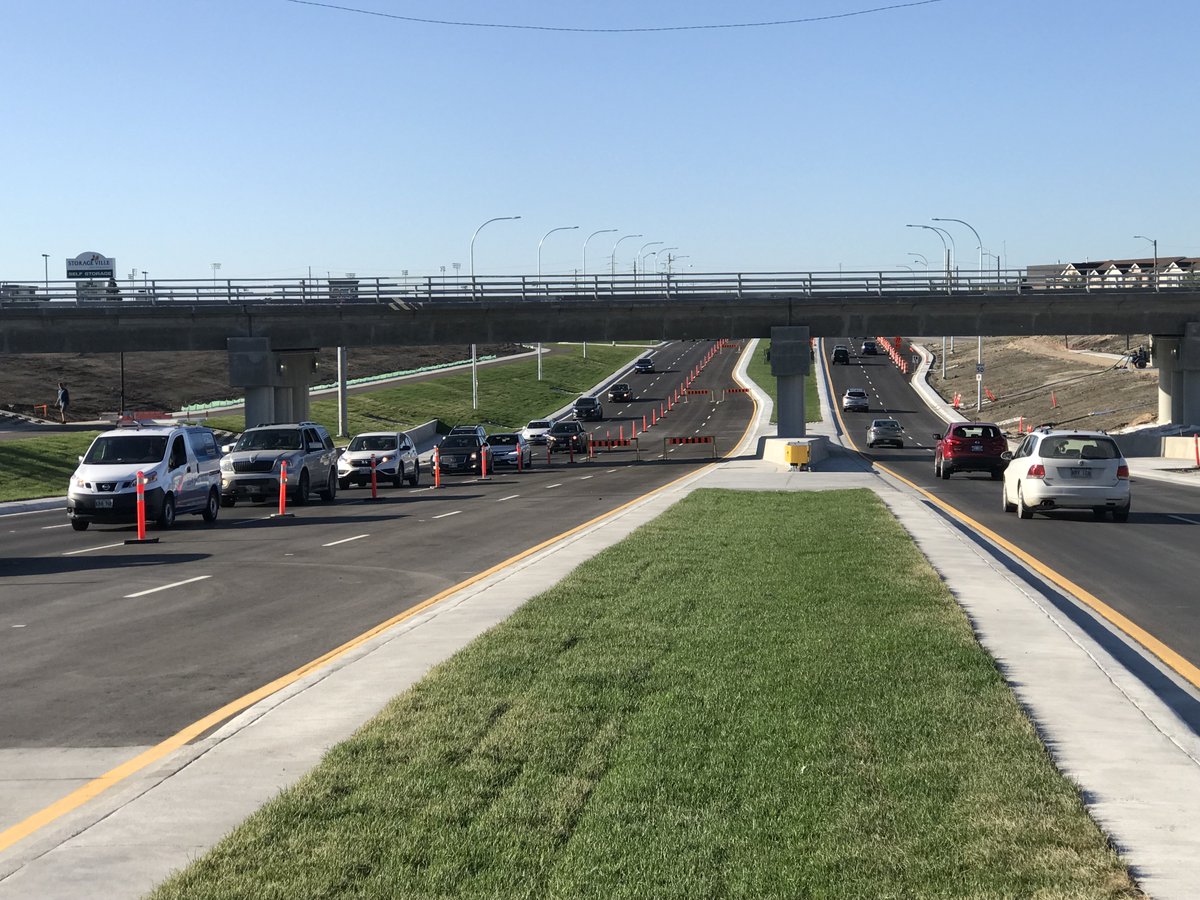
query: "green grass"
759, 370
509, 393
748, 711
40, 466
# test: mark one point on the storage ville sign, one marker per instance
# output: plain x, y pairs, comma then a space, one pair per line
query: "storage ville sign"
91, 265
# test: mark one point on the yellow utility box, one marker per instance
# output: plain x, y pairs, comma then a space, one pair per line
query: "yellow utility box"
796, 454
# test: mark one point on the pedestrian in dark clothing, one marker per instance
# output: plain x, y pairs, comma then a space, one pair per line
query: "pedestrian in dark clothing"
64, 400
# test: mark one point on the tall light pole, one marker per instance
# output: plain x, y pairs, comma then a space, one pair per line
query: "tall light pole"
942, 235
924, 258
979, 337
666, 250
585, 243
474, 359
542, 241
1153, 241
638, 256
216, 267
613, 258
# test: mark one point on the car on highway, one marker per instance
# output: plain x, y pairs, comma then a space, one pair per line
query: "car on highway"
395, 459
885, 431
478, 430
840, 355
970, 447
251, 469
586, 408
180, 468
855, 400
1063, 469
509, 448
462, 453
644, 366
535, 431
567, 435
869, 348
620, 392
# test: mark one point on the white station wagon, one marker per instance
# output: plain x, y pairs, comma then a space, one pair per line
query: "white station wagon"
1067, 470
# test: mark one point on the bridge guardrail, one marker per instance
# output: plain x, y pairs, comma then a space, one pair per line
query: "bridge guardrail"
403, 291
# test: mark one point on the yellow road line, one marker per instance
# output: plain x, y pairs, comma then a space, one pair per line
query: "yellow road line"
111, 778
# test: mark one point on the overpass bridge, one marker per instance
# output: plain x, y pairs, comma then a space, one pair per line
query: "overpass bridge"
270, 327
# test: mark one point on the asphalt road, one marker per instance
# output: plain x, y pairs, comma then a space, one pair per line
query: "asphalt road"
1145, 568
104, 644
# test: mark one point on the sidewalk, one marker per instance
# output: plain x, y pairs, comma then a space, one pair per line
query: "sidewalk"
1136, 760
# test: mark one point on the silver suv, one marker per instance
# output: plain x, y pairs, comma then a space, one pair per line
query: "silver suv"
251, 468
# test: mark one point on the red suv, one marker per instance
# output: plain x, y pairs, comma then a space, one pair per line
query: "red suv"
970, 447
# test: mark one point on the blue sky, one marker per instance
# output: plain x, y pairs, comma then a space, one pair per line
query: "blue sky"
273, 137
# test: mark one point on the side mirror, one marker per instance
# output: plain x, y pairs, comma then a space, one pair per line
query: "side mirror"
1007, 454
81, 460
937, 436
226, 448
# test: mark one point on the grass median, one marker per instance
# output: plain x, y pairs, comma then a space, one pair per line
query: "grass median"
767, 709
759, 370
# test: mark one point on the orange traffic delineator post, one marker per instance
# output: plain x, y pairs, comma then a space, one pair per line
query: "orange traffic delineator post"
643, 421
483, 467
620, 432
141, 513
437, 467
520, 459
653, 417
374, 481
283, 513
1053, 401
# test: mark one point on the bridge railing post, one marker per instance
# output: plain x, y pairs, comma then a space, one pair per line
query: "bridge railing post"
523, 297
880, 283
596, 287
739, 286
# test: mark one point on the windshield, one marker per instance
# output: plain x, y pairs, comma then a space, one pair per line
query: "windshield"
370, 442
132, 448
502, 440
586, 401
460, 442
270, 439
564, 428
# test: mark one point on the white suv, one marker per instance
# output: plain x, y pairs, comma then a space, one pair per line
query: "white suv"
251, 468
1067, 470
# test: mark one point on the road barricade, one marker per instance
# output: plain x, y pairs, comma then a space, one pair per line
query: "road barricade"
611, 444
691, 439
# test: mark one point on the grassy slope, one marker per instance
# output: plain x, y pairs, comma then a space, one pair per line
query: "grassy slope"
759, 371
683, 716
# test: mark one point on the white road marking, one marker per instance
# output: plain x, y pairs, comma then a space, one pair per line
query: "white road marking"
586, 477
509, 497
553, 485
609, 471
16, 626
166, 587
32, 512
63, 525
443, 515
90, 549
1183, 519
357, 537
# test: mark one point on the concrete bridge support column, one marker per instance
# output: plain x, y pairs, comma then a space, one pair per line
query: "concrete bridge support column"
789, 364
275, 381
1178, 362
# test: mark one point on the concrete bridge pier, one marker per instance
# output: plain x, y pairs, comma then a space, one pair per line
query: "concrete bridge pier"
790, 346
1178, 361
275, 381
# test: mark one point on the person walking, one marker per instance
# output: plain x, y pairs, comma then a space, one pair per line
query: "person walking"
64, 400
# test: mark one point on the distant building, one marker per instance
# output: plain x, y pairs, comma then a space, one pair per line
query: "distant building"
1172, 271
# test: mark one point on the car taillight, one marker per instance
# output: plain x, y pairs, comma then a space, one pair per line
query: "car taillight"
1037, 470
1122, 471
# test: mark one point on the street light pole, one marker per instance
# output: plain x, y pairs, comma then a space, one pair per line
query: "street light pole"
215, 267
637, 257
474, 358
583, 271
924, 258
942, 235
1153, 241
46, 267
542, 241
613, 259
979, 337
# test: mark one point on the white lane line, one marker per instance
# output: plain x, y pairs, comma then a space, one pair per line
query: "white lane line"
357, 537
609, 471
586, 477
166, 587
63, 525
509, 497
553, 485
443, 515
1184, 519
90, 549
33, 512
16, 626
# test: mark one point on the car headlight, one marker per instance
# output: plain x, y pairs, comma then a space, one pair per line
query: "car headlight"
226, 464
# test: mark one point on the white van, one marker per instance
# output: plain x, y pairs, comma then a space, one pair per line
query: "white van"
181, 465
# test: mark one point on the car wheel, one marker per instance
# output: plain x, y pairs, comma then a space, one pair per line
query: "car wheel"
301, 495
331, 485
937, 468
166, 517
398, 478
899, 445
1008, 506
344, 484
415, 478
1121, 513
80, 524
947, 470
1023, 511
213, 507
997, 474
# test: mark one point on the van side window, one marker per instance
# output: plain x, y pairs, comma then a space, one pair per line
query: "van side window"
178, 453
205, 445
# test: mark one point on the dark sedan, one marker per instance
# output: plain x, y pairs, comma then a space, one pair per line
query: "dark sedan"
461, 453
567, 435
620, 393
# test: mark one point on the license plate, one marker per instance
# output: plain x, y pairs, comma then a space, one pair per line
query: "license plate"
1081, 473
104, 503
977, 448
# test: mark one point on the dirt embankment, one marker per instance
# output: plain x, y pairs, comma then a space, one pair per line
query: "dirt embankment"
170, 381
1041, 379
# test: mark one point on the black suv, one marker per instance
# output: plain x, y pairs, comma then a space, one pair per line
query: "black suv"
620, 392
567, 435
588, 408
644, 366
